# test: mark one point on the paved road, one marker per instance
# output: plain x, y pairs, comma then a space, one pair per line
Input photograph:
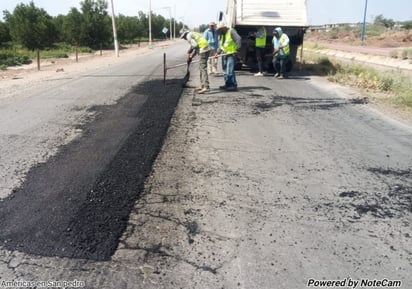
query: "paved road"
279, 183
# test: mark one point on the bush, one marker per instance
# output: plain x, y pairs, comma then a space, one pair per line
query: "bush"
10, 59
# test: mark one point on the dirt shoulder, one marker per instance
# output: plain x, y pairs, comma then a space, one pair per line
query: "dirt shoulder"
386, 41
16, 78
376, 52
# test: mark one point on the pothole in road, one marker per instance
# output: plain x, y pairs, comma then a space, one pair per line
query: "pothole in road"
394, 202
309, 103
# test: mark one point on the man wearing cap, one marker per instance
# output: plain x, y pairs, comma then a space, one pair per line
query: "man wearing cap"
212, 36
281, 52
230, 43
198, 45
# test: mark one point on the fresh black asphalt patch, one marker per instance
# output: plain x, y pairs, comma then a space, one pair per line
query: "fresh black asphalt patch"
77, 204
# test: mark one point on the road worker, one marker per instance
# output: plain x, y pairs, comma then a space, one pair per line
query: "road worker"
198, 45
230, 43
281, 52
260, 45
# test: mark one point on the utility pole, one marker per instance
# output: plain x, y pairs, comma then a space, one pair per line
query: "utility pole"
174, 24
150, 23
364, 21
116, 43
170, 15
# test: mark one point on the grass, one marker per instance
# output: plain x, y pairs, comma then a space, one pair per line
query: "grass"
396, 86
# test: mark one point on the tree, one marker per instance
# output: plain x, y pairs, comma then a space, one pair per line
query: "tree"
144, 24
32, 27
96, 24
4, 33
72, 29
407, 25
158, 23
203, 27
128, 28
382, 21
58, 24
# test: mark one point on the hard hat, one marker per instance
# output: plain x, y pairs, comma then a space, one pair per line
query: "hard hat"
183, 33
221, 25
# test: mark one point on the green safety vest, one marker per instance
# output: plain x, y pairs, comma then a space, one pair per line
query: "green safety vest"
227, 44
200, 40
286, 49
261, 41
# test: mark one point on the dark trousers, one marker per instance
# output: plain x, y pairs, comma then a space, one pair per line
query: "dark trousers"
279, 63
260, 55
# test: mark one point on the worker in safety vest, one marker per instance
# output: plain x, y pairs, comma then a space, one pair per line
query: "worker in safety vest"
198, 45
230, 43
260, 48
281, 52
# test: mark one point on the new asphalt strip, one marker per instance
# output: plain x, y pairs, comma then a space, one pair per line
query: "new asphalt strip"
77, 204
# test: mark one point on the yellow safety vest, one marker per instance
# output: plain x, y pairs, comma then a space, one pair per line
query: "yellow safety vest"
286, 49
200, 40
261, 41
227, 44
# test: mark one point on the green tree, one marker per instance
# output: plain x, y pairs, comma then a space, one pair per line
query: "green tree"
4, 33
96, 24
73, 29
58, 23
203, 27
128, 28
158, 23
144, 24
387, 23
407, 25
32, 27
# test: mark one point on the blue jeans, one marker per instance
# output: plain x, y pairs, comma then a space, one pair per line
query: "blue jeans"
228, 66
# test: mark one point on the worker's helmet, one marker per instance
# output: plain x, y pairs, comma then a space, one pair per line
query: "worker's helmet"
183, 33
221, 25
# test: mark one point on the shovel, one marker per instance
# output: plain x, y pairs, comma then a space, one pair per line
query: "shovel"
187, 76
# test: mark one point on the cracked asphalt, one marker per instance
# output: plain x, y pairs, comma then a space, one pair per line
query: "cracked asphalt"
280, 182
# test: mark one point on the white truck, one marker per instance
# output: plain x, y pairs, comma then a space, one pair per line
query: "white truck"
248, 15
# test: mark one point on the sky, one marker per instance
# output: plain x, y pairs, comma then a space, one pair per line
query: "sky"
195, 12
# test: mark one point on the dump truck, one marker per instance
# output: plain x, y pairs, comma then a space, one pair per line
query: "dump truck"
246, 16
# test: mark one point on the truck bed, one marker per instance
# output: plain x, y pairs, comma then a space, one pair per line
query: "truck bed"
267, 12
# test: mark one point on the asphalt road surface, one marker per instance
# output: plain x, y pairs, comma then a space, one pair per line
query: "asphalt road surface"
112, 180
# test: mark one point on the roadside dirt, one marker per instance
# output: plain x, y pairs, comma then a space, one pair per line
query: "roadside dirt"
14, 79
377, 52
392, 39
